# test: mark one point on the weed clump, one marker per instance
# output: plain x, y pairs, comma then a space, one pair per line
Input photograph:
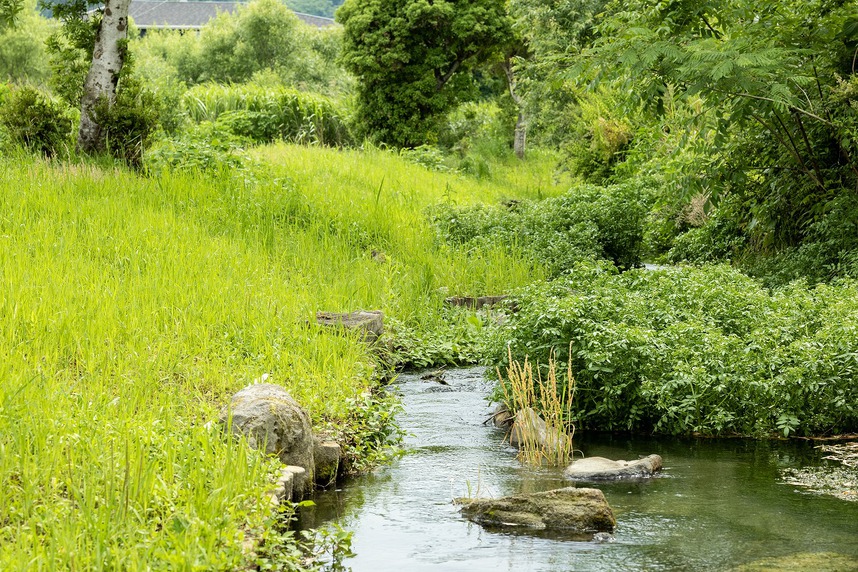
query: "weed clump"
552, 400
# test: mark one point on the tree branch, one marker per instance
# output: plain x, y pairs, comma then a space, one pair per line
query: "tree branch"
770, 100
715, 32
809, 150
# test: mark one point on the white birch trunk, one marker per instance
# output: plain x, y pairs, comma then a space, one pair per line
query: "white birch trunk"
108, 57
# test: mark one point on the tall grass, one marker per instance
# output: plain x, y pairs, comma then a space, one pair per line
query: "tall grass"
133, 308
526, 396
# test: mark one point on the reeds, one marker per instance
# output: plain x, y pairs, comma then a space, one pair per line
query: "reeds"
529, 399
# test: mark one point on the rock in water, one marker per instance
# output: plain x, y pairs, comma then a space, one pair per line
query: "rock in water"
327, 455
602, 469
530, 430
571, 509
268, 417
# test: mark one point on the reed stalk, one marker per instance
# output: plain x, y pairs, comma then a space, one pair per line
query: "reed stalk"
548, 397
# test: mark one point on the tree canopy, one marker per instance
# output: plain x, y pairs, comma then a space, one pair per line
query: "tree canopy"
412, 59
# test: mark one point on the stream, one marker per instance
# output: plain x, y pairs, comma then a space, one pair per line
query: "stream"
718, 505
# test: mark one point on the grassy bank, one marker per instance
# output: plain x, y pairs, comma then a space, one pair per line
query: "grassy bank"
133, 307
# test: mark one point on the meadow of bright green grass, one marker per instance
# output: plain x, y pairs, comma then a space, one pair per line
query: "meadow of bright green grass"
134, 307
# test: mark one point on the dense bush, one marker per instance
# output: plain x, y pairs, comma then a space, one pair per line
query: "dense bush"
827, 252
130, 122
36, 121
588, 222
264, 115
695, 350
203, 149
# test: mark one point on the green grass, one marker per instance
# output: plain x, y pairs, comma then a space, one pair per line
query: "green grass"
133, 308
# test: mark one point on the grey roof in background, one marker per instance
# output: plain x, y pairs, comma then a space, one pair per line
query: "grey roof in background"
151, 14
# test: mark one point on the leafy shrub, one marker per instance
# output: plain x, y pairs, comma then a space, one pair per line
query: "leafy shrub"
598, 141
130, 122
205, 149
587, 222
34, 120
483, 127
695, 350
264, 114
428, 156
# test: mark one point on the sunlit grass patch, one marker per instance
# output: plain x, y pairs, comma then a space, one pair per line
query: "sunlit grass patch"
134, 307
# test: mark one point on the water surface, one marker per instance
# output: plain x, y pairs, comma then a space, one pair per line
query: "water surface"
719, 503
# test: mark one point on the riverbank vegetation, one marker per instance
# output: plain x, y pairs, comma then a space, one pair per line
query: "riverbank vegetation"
248, 179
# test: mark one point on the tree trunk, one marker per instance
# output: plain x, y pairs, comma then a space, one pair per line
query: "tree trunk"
520, 136
108, 57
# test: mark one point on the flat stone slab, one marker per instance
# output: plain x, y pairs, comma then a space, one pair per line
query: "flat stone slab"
602, 469
474, 303
571, 509
369, 322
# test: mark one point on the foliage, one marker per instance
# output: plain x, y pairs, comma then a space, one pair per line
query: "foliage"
458, 343
262, 41
22, 49
130, 122
36, 121
9, 10
554, 33
413, 59
70, 48
597, 140
324, 8
259, 35
695, 350
588, 222
477, 128
205, 149
370, 436
772, 85
262, 114
552, 400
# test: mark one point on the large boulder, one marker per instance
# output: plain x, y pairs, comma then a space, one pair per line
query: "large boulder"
274, 422
602, 469
572, 510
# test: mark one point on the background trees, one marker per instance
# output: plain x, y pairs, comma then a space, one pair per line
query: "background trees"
413, 60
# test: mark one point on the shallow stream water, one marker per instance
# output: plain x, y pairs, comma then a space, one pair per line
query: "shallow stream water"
718, 504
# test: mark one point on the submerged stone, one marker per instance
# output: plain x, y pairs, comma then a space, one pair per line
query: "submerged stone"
602, 469
573, 510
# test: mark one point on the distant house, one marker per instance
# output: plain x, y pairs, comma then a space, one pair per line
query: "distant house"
153, 15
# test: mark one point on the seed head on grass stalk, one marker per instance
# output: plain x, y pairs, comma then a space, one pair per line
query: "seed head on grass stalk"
523, 395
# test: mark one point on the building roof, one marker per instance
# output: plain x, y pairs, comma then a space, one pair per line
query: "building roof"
151, 14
